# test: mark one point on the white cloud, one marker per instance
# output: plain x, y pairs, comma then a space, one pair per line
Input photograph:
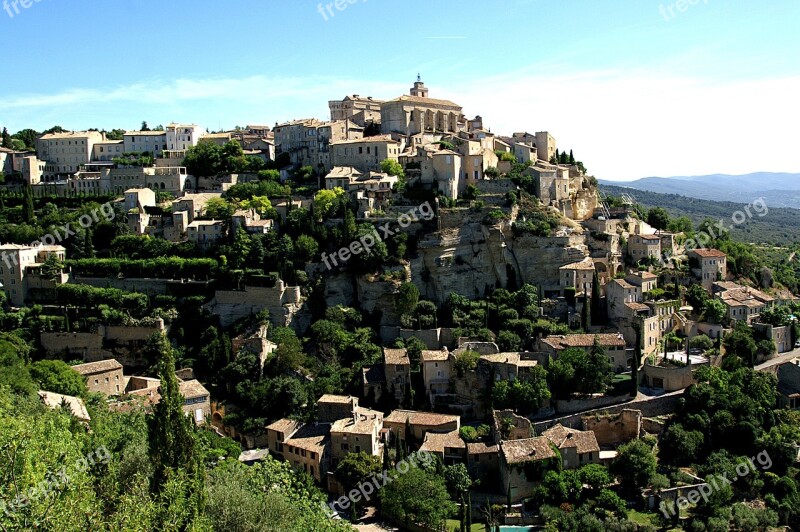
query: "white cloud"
626, 125
623, 125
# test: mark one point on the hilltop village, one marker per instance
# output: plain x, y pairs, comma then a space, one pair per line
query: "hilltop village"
400, 278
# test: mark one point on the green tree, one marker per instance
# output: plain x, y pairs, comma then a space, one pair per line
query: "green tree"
402, 503
7, 140
326, 202
714, 311
635, 465
406, 299
28, 213
357, 468
172, 441
57, 376
218, 209
658, 217
392, 167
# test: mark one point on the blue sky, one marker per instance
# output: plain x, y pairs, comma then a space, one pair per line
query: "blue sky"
635, 88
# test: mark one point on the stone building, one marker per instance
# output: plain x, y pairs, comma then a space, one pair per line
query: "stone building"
436, 372
331, 408
577, 447
641, 247
578, 275
20, 270
397, 372
365, 154
417, 114
66, 152
420, 423
614, 345
708, 265
360, 432
105, 376
358, 109
308, 142
523, 464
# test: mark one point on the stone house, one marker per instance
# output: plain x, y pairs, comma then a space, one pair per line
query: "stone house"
20, 268
743, 303
578, 275
577, 447
614, 345
523, 464
448, 446
331, 408
436, 372
278, 433
789, 384
420, 423
105, 376
308, 450
358, 433
708, 265
642, 247
365, 154
206, 232
397, 372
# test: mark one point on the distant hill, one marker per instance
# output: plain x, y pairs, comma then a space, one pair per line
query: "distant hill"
780, 226
778, 190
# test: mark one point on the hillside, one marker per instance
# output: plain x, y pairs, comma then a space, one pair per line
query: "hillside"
780, 225
777, 189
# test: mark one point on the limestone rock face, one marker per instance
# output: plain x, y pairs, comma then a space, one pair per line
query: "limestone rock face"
467, 260
539, 258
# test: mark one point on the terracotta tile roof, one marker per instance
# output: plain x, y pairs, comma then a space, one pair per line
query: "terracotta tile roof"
76, 404
482, 448
708, 253
421, 100
97, 367
585, 264
191, 389
397, 357
367, 140
436, 442
501, 358
364, 421
309, 437
435, 356
584, 340
285, 426
339, 399
622, 283
428, 419
564, 438
637, 307
527, 450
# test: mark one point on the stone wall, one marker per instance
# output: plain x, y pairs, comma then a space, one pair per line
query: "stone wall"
652, 426
495, 186
283, 303
87, 345
581, 405
670, 378
150, 287
650, 407
612, 430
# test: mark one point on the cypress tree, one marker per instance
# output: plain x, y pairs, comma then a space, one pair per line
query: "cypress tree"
171, 437
596, 310
28, 214
586, 319
637, 359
